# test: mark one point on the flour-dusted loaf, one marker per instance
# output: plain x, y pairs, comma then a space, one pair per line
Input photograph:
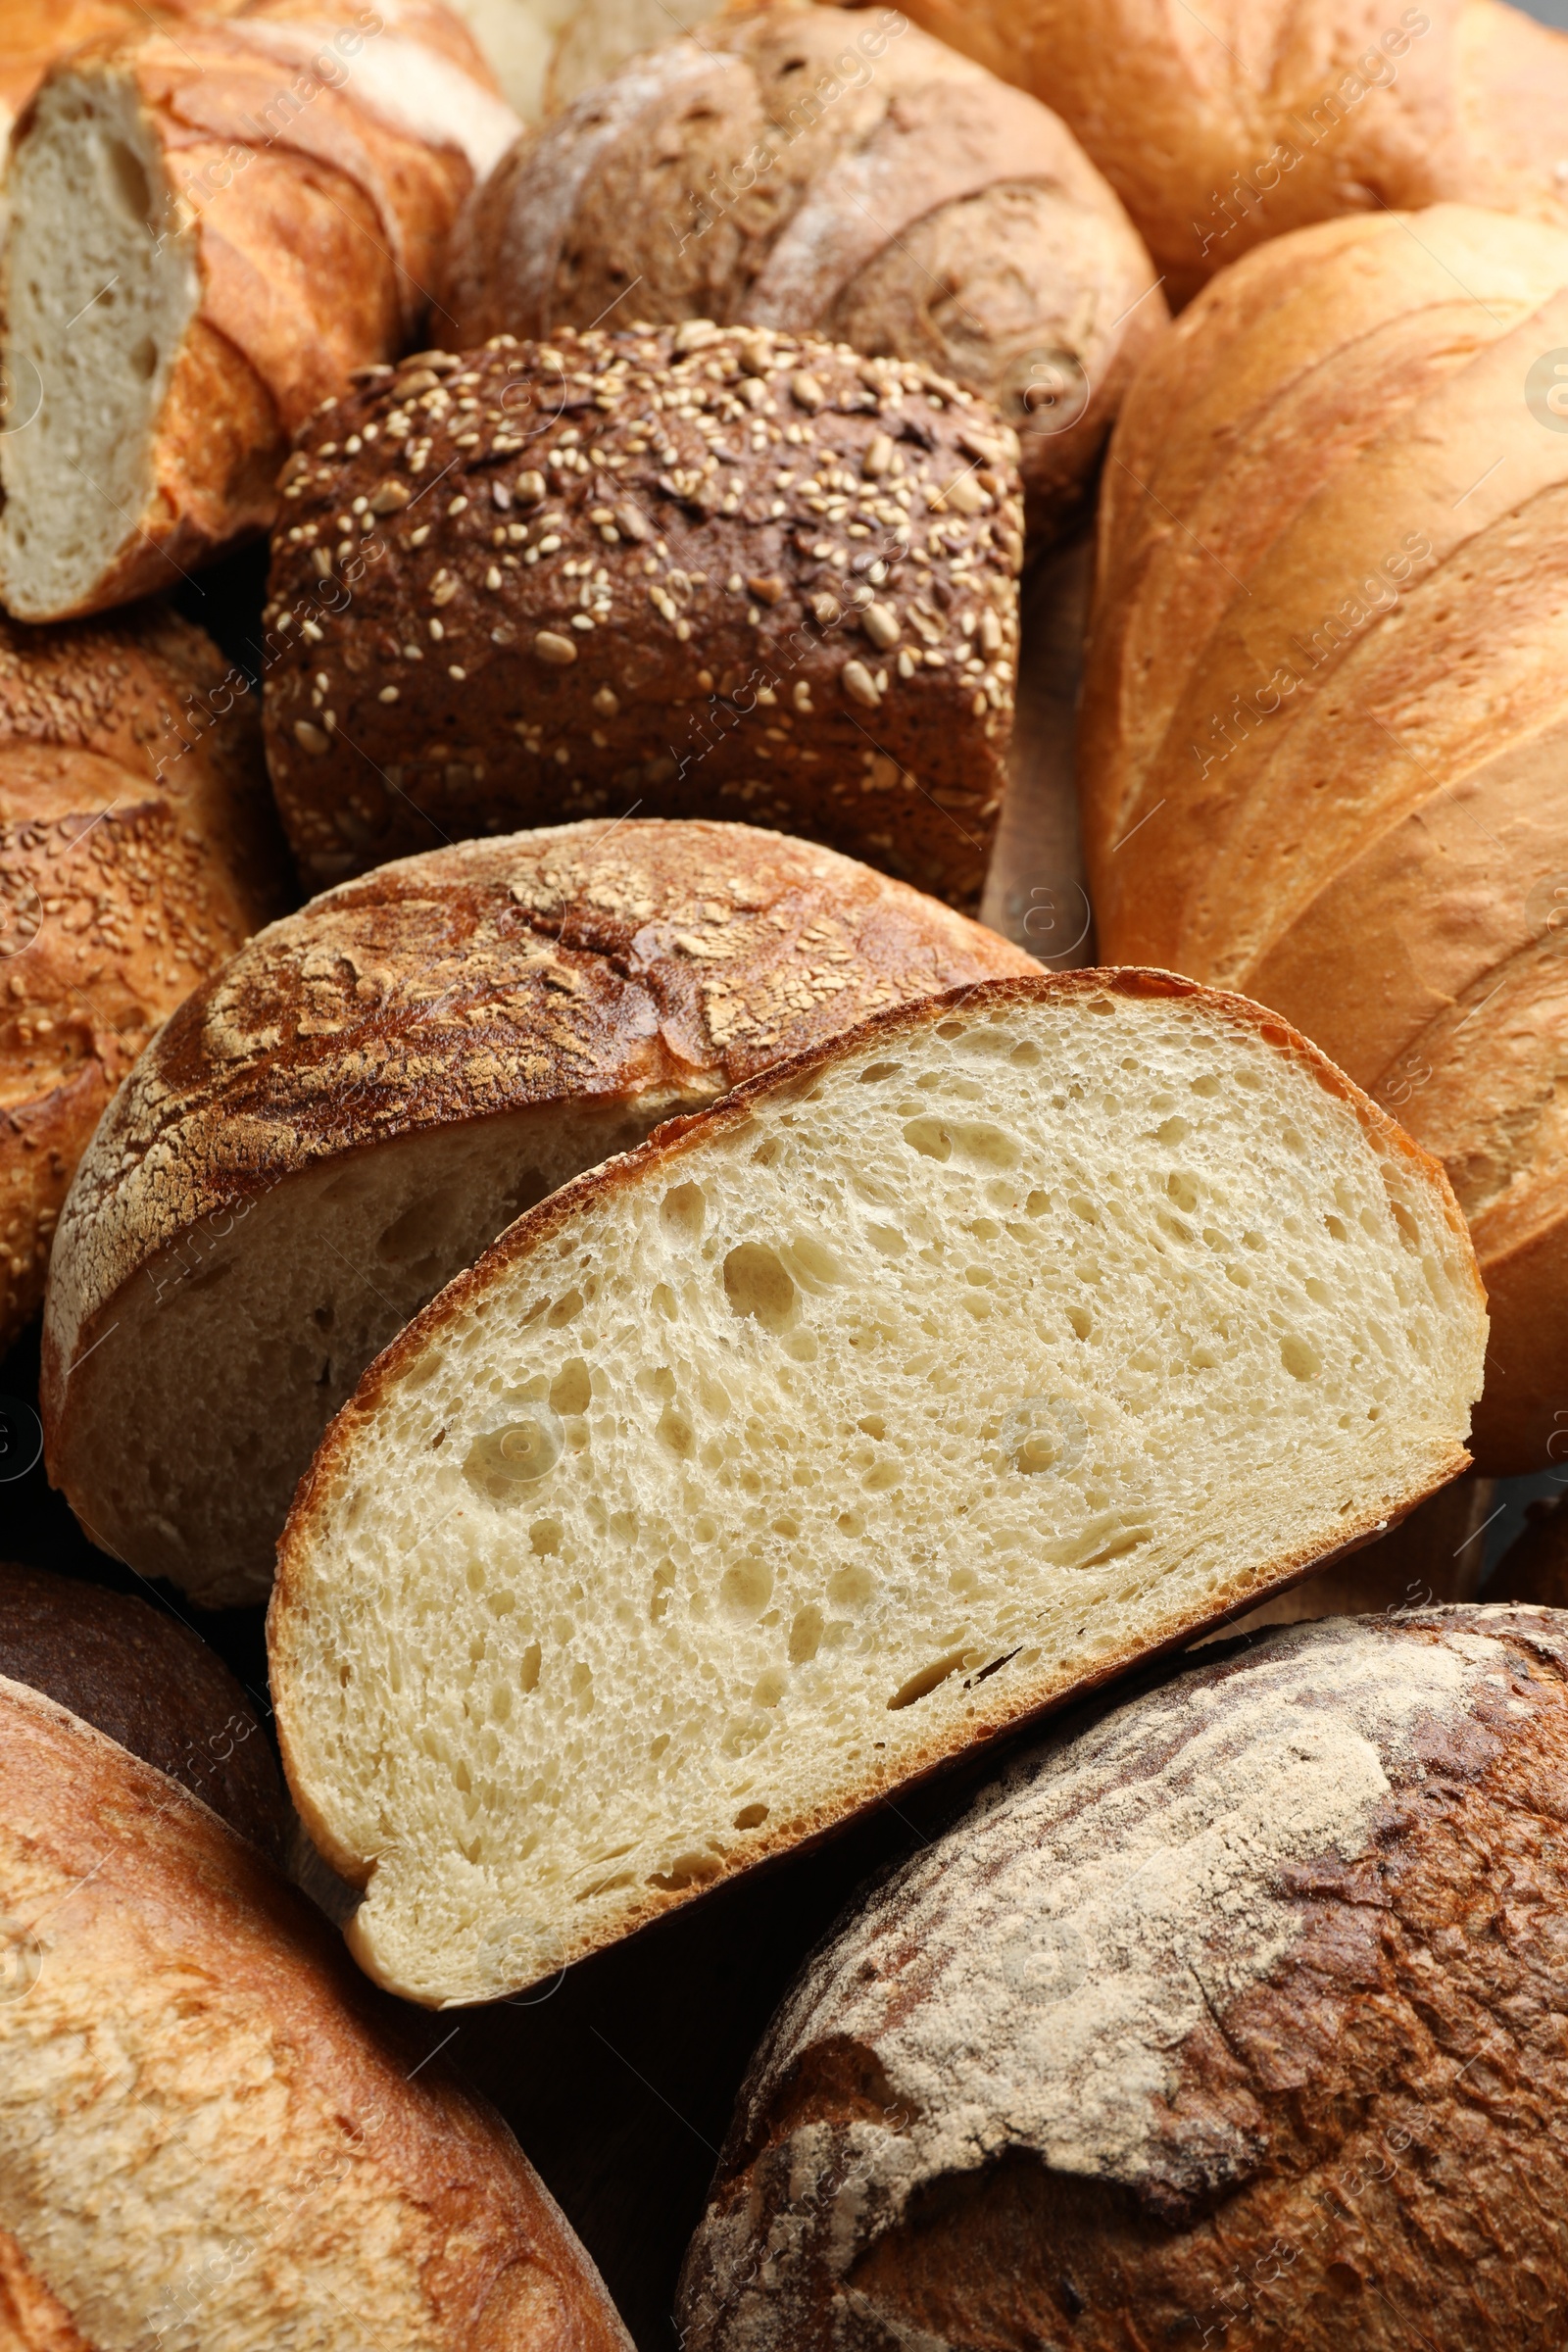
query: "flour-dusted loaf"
907, 1390
689, 574
352, 1109
211, 2132
137, 848
1234, 2017
843, 175
211, 225
140, 1677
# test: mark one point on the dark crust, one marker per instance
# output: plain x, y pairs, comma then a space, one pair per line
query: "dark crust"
908, 775
991, 1711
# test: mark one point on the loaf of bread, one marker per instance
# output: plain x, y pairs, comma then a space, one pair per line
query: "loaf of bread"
1222, 127
137, 848
1325, 700
836, 175
140, 1677
1232, 2018
211, 2131
352, 1110
691, 574
218, 219
907, 1390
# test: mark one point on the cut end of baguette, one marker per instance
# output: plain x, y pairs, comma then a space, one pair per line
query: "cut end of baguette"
907, 1391
101, 287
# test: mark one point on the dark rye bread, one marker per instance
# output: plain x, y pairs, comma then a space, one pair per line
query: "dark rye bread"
141, 1678
1235, 2017
691, 573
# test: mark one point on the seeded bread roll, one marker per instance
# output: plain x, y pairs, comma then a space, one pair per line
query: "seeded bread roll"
840, 175
691, 573
1233, 2018
137, 848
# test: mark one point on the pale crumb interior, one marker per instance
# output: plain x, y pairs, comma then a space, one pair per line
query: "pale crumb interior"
1004, 1344
100, 293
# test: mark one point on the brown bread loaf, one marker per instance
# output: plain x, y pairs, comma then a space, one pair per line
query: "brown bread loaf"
844, 176
211, 2131
137, 848
1232, 2018
691, 573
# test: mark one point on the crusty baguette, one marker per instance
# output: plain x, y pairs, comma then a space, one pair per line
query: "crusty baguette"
211, 2131
219, 220
696, 574
907, 1390
1224, 2020
1321, 744
137, 848
349, 1112
836, 175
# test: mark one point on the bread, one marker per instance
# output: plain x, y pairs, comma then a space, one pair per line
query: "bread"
1223, 128
210, 2132
352, 1109
838, 1427
836, 175
1231, 2016
137, 848
691, 576
600, 37
221, 221
143, 1679
1323, 701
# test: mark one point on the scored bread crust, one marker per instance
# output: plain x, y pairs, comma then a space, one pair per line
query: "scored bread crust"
357, 2193
990, 1708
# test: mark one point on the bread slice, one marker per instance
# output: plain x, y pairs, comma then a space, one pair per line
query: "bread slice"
909, 1390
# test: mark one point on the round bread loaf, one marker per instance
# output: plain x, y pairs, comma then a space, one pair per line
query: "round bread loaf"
351, 1111
847, 176
1233, 2017
137, 848
692, 574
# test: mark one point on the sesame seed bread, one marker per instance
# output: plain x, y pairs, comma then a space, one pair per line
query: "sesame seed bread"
840, 175
136, 851
349, 1112
912, 1388
221, 219
1231, 2017
693, 574
211, 2132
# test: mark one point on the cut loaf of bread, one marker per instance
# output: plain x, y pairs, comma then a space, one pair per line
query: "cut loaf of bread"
904, 1393
354, 1108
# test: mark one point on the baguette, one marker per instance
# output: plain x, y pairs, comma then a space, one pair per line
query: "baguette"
693, 574
210, 2132
220, 221
826, 175
351, 1111
1324, 703
1225, 2018
912, 1388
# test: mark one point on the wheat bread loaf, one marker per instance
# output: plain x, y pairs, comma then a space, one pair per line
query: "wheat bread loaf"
349, 1112
1231, 2017
214, 2131
137, 848
820, 174
219, 220
899, 1395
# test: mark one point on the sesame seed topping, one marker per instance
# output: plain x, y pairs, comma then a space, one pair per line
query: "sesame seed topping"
552, 647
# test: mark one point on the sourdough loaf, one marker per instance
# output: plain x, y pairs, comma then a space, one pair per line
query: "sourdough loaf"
137, 848
1232, 2017
698, 574
211, 2132
907, 1390
818, 173
221, 220
348, 1113
1324, 705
